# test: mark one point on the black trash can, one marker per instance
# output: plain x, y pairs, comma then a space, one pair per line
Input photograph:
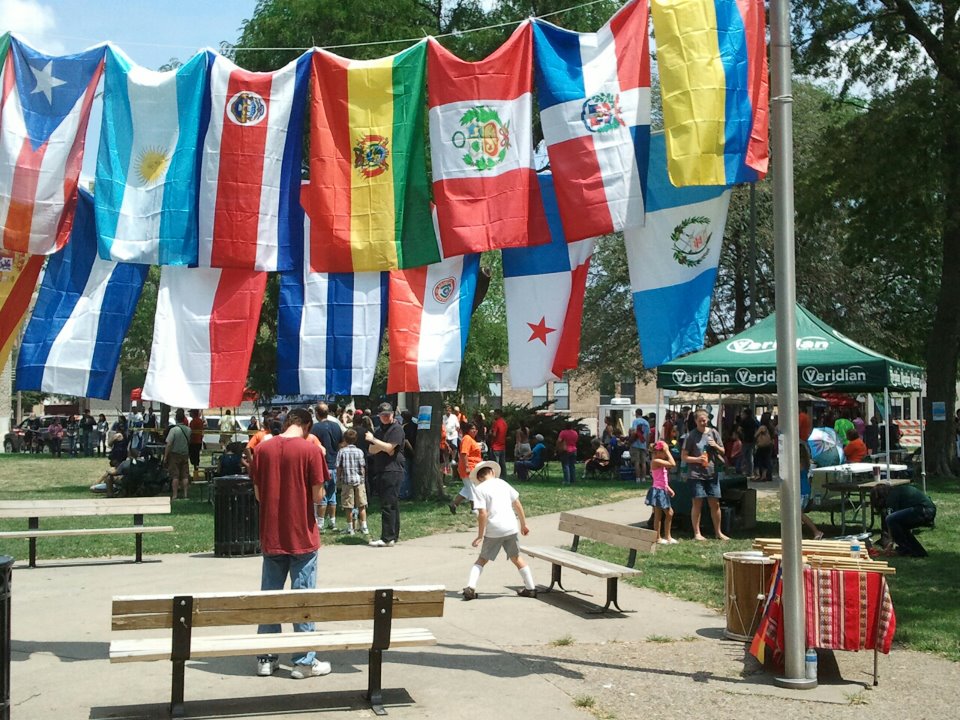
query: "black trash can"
236, 518
6, 574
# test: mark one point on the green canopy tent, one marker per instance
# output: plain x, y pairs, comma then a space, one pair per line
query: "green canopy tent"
827, 360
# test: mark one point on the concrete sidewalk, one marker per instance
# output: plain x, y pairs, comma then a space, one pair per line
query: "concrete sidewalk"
497, 653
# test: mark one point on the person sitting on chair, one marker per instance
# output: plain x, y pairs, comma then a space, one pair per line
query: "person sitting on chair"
600, 460
908, 508
856, 449
522, 468
109, 479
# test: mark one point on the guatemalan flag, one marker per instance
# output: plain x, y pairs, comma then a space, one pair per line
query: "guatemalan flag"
673, 261
712, 60
428, 324
250, 172
594, 95
329, 329
203, 336
84, 307
44, 107
147, 178
544, 288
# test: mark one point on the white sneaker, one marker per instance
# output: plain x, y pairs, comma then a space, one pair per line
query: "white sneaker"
365, 530
673, 541
266, 668
663, 541
377, 543
390, 543
348, 531
318, 669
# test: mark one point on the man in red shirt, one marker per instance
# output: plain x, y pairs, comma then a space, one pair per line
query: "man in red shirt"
498, 438
288, 476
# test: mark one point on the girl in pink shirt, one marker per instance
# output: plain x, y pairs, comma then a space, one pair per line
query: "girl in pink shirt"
658, 496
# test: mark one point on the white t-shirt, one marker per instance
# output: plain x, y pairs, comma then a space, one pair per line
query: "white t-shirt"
496, 496
452, 426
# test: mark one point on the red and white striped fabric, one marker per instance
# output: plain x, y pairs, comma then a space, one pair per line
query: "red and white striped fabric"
203, 336
910, 432
484, 183
250, 172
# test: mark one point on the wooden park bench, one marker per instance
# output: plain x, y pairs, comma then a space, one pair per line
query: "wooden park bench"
611, 533
181, 613
33, 510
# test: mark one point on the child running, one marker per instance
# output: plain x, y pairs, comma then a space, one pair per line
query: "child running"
351, 468
658, 496
497, 526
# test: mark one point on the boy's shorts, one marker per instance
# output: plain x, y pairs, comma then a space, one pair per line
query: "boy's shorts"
352, 496
491, 547
329, 493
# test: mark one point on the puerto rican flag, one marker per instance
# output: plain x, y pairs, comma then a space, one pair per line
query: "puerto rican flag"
428, 324
544, 288
203, 336
484, 183
44, 108
250, 169
594, 95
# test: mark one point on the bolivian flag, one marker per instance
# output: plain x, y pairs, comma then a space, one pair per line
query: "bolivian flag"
368, 200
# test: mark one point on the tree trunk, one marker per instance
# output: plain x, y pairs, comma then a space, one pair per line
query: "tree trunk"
427, 478
943, 344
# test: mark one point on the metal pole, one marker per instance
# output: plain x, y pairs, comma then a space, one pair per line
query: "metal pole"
923, 448
752, 277
886, 424
6, 574
781, 69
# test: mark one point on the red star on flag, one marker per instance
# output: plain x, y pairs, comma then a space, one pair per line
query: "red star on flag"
540, 330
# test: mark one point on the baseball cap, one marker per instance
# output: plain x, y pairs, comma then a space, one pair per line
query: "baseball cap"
384, 408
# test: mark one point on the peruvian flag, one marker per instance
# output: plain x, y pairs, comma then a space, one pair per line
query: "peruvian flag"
544, 289
250, 173
484, 183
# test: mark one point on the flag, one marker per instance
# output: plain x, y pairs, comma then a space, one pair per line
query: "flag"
250, 167
203, 336
484, 183
544, 289
428, 324
673, 261
44, 107
329, 329
594, 96
18, 278
712, 60
368, 200
146, 179
83, 310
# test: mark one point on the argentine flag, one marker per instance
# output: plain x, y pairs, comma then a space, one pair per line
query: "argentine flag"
673, 261
72, 343
147, 178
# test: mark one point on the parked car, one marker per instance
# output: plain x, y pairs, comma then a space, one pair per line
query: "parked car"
22, 438
211, 436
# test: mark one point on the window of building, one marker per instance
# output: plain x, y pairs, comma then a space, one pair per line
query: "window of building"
561, 395
608, 388
539, 395
495, 390
628, 388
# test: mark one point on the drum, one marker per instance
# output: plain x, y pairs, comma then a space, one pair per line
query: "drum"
746, 580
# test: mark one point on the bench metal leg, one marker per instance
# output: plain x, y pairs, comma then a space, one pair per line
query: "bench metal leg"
33, 524
375, 682
555, 579
176, 692
138, 520
612, 586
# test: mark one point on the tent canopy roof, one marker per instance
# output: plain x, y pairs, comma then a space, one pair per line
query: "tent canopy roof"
826, 360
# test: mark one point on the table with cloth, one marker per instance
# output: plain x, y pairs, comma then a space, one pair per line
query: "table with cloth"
844, 610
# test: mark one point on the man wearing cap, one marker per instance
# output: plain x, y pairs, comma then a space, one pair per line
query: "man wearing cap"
522, 468
500, 522
386, 449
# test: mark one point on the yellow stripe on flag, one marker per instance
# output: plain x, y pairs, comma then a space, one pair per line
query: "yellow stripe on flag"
693, 86
370, 100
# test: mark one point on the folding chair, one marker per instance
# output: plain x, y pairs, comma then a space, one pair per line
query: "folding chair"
541, 473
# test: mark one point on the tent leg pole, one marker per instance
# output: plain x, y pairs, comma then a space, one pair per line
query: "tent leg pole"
923, 448
886, 424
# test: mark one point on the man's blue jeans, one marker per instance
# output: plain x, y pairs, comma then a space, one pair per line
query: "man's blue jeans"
302, 570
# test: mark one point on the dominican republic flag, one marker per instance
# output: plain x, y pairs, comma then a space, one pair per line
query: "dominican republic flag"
428, 324
147, 180
84, 307
484, 183
329, 329
44, 107
673, 261
250, 171
544, 289
594, 95
203, 336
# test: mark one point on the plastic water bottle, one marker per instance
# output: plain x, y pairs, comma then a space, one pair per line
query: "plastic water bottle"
855, 549
810, 664
817, 499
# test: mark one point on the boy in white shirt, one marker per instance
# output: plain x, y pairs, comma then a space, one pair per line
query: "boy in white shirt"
497, 527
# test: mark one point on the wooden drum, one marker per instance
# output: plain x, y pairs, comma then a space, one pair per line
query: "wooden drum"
746, 579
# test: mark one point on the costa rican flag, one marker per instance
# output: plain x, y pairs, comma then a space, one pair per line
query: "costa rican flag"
250, 170
44, 107
594, 95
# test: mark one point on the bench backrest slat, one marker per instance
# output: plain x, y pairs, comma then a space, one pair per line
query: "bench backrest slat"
84, 507
213, 610
611, 533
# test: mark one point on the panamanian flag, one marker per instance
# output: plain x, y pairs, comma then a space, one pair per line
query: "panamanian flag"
329, 329
544, 288
673, 261
594, 95
85, 305
44, 108
146, 179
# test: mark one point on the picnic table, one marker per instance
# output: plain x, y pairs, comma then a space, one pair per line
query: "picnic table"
855, 478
